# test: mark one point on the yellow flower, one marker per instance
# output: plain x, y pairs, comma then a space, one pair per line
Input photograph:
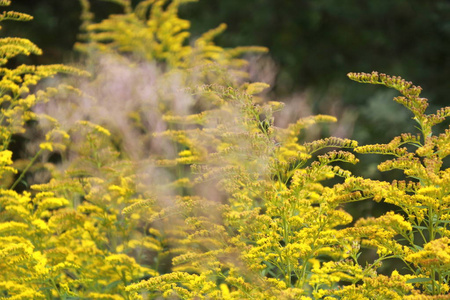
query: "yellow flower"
6, 157
435, 255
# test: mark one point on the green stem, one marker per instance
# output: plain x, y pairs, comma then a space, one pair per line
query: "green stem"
302, 279
433, 282
286, 235
26, 169
431, 224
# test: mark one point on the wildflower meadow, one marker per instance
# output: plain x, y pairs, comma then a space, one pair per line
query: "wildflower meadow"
156, 168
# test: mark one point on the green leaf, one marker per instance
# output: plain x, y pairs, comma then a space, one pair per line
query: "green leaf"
416, 247
421, 206
418, 280
113, 285
420, 227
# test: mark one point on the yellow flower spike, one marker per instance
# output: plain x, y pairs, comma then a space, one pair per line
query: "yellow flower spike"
435, 255
46, 146
256, 88
6, 157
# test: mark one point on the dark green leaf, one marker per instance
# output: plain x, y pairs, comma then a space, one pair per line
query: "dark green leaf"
418, 280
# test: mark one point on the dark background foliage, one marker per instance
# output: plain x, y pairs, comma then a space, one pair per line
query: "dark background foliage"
314, 44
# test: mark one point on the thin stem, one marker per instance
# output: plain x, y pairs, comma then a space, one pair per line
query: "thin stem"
431, 224
433, 281
286, 235
26, 169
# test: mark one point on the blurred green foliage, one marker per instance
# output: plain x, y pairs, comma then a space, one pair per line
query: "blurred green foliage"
317, 42
314, 43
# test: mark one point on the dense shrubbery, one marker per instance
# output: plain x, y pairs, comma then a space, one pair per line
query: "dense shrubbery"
172, 180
